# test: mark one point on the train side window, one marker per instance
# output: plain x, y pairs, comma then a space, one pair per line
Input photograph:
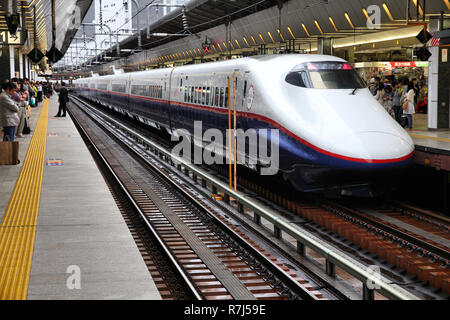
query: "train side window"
208, 95
297, 78
195, 94
226, 98
192, 94
245, 88
211, 102
222, 97
185, 94
216, 98
204, 96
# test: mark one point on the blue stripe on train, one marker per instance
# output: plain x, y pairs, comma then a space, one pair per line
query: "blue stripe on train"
292, 152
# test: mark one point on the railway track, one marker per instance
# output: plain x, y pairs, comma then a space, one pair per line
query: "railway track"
216, 260
413, 250
328, 281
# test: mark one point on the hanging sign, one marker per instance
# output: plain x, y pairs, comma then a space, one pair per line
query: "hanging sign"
7, 39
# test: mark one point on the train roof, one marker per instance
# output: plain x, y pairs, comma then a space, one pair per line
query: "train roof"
282, 62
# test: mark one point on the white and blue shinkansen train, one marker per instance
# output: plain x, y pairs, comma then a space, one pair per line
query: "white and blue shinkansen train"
333, 132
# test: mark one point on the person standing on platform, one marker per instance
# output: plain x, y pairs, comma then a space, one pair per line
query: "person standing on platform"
18, 98
63, 99
9, 112
410, 110
396, 101
39, 92
387, 100
379, 93
376, 86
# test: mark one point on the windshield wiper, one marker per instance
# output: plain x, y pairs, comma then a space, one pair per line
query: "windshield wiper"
354, 91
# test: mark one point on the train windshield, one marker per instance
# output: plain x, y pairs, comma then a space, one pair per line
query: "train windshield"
325, 75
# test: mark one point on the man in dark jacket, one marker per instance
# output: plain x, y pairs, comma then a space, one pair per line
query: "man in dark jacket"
63, 99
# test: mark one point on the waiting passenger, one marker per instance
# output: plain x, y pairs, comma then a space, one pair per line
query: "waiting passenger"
63, 99
20, 101
9, 112
387, 100
39, 92
409, 107
396, 101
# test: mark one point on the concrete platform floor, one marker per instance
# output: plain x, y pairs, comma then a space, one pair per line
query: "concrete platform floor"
83, 248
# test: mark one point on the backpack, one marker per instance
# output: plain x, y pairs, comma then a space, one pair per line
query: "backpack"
26, 128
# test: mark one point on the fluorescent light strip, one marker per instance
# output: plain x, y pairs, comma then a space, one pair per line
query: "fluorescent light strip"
352, 43
290, 31
367, 16
420, 8
334, 25
281, 35
447, 3
306, 30
262, 39
318, 26
349, 20
388, 12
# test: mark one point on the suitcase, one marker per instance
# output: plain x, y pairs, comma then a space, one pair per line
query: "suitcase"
9, 153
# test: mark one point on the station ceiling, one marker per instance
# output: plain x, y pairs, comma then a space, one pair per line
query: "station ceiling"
268, 22
306, 18
201, 15
69, 15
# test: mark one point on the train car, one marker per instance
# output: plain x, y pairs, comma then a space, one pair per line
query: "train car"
333, 134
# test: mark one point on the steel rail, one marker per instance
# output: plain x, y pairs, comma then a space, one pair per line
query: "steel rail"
123, 189
333, 257
282, 275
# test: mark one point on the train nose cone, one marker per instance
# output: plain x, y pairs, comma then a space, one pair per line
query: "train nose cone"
373, 146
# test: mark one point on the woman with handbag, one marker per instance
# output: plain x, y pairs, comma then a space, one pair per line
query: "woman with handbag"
9, 112
408, 105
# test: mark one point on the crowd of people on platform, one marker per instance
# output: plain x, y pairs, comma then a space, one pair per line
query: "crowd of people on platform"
399, 97
16, 100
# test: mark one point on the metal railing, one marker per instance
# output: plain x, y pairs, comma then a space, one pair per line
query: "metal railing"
334, 258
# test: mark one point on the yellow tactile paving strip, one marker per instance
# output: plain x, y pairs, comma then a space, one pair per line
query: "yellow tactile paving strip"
417, 136
18, 228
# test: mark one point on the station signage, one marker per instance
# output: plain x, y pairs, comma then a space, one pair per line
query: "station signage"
403, 64
392, 64
7, 39
408, 64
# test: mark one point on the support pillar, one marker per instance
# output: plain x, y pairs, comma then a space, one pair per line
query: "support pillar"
21, 65
12, 67
325, 46
7, 68
26, 73
439, 80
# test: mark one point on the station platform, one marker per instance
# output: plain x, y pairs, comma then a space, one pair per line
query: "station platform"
61, 233
432, 148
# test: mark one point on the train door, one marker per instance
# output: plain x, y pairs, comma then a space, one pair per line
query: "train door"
168, 108
128, 97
